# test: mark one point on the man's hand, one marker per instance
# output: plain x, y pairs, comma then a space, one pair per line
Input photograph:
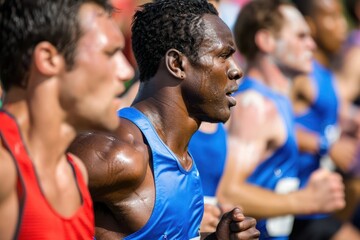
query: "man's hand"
234, 225
326, 191
342, 152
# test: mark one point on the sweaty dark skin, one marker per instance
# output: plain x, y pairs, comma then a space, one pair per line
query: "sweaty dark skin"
117, 165
180, 94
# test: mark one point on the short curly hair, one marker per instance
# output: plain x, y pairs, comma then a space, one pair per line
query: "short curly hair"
165, 24
26, 23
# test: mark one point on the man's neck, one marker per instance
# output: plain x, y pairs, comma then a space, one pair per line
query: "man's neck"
44, 132
167, 112
322, 57
266, 72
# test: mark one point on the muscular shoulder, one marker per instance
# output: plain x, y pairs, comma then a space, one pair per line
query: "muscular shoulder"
254, 118
115, 162
252, 107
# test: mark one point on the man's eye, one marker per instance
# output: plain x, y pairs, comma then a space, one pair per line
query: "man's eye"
302, 35
112, 52
225, 55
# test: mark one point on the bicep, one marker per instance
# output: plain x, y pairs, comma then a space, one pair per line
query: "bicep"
242, 160
244, 155
248, 132
246, 141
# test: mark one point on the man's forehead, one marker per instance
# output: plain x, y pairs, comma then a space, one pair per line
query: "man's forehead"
290, 13
88, 13
91, 15
94, 20
293, 18
214, 21
326, 4
216, 30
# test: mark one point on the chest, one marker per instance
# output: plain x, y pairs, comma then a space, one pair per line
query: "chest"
169, 203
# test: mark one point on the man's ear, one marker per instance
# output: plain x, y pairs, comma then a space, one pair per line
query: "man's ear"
265, 41
175, 61
47, 60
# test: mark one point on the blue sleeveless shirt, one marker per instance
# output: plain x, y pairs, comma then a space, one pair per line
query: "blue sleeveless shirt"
321, 118
178, 207
209, 152
277, 173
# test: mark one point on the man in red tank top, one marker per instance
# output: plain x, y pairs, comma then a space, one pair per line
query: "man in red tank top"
61, 67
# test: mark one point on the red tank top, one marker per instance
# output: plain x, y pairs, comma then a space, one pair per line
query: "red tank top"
37, 219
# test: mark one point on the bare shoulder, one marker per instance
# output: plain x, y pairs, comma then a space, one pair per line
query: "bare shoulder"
8, 173
252, 111
114, 161
254, 104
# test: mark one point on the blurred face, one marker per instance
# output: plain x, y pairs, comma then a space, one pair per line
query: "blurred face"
89, 90
294, 45
212, 80
331, 26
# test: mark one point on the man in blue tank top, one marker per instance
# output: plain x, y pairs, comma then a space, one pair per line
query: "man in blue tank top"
208, 146
316, 106
261, 173
143, 181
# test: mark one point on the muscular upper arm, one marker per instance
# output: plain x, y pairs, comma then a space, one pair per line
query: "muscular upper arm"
248, 132
115, 163
253, 127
